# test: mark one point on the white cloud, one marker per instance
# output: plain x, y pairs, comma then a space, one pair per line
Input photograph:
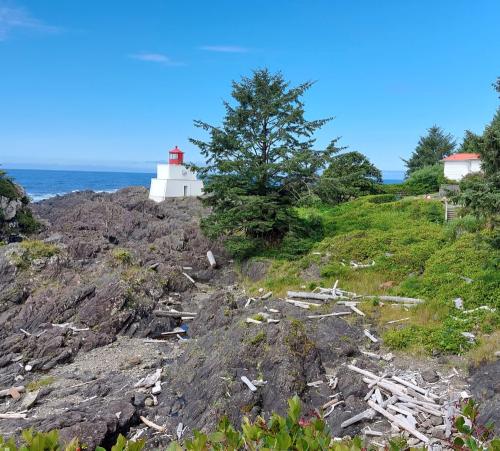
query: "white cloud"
225, 48
14, 18
156, 58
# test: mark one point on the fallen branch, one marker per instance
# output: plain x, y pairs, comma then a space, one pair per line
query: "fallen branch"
188, 277
211, 259
402, 424
249, 384
152, 425
370, 336
329, 314
305, 295
12, 416
8, 391
396, 299
172, 313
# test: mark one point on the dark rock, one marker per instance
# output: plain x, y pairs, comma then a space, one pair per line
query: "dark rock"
485, 387
429, 375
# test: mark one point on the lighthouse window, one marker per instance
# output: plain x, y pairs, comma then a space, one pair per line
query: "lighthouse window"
174, 156
185, 190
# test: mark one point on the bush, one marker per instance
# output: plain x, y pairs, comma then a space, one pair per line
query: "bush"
123, 256
425, 180
7, 187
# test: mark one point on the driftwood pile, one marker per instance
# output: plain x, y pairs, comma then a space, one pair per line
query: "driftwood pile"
424, 415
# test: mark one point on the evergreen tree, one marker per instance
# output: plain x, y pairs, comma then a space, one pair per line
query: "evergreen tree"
431, 149
348, 176
471, 144
259, 160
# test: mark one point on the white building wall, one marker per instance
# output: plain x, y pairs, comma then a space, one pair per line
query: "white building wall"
174, 181
457, 170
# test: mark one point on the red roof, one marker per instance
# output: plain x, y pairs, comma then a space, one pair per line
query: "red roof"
176, 150
462, 157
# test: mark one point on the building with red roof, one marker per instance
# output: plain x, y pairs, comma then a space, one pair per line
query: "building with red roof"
458, 165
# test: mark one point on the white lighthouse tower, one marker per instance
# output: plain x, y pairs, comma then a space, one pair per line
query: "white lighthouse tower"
174, 179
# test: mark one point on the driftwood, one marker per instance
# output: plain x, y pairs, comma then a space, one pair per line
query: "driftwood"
367, 414
326, 315
12, 416
267, 295
8, 391
249, 384
253, 321
173, 313
415, 387
370, 336
211, 259
188, 277
398, 422
305, 295
177, 330
396, 299
152, 425
398, 320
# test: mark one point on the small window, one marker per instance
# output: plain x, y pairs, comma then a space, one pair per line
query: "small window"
174, 156
185, 191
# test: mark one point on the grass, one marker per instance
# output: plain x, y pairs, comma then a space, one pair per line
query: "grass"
414, 250
39, 383
33, 250
123, 256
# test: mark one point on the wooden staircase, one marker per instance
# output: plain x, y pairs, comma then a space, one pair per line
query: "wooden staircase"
450, 211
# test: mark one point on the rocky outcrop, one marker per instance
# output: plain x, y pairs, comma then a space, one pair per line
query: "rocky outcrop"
15, 215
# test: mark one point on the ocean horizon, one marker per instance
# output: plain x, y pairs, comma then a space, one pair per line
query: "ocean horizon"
41, 184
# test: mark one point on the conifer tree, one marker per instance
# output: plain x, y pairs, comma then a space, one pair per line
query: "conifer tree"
258, 159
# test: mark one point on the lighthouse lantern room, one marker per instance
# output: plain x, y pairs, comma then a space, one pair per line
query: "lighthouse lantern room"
174, 179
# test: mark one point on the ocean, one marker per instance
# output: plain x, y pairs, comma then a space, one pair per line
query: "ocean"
42, 184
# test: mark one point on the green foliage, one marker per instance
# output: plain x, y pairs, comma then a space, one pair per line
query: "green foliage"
123, 256
38, 384
38, 441
259, 162
34, 249
349, 175
8, 188
292, 432
430, 150
26, 222
425, 180
122, 444
471, 143
470, 434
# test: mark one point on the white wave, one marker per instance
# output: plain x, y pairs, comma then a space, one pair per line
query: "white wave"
39, 197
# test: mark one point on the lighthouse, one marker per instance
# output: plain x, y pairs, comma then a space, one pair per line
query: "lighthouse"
174, 179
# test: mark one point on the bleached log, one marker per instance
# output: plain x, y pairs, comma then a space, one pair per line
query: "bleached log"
211, 259
12, 416
398, 320
427, 409
149, 380
370, 336
267, 295
332, 408
370, 354
415, 387
400, 410
253, 321
367, 414
329, 314
396, 299
177, 330
188, 277
402, 424
7, 391
356, 310
311, 304
152, 425
249, 384
386, 385
173, 313
305, 295
315, 384
25, 332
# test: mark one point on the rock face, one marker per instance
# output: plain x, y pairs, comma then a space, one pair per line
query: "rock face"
80, 326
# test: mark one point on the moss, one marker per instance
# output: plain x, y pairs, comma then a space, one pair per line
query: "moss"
122, 256
258, 339
297, 340
39, 383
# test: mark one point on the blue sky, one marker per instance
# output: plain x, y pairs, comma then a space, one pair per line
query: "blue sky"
116, 84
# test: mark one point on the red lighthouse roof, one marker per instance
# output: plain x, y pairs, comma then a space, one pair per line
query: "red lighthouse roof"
462, 157
176, 156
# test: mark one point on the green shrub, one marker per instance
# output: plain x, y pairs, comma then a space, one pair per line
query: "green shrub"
426, 180
123, 256
34, 249
7, 187
27, 223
